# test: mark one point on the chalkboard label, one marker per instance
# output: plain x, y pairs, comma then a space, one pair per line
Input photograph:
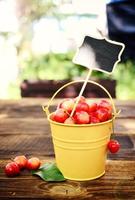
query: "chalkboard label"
99, 54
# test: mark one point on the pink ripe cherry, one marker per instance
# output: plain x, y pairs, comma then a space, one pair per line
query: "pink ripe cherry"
52, 116
106, 105
94, 120
12, 169
33, 163
69, 120
82, 117
21, 161
82, 99
92, 107
60, 115
67, 105
83, 106
102, 114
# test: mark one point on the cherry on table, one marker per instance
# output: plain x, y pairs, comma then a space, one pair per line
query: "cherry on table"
33, 163
12, 169
21, 161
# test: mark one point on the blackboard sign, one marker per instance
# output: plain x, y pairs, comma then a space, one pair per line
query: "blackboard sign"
99, 54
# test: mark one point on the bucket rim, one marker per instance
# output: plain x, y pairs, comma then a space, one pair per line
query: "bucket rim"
80, 125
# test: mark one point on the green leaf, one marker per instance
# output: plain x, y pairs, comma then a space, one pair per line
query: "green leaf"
49, 172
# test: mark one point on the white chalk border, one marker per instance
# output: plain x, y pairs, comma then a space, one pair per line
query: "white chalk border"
108, 40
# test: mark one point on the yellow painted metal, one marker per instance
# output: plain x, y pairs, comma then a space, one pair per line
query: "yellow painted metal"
81, 150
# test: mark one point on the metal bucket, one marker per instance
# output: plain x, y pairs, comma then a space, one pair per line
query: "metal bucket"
81, 150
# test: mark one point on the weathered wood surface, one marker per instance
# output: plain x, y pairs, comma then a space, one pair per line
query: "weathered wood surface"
24, 130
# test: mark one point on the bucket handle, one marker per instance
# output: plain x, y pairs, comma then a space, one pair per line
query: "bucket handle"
46, 108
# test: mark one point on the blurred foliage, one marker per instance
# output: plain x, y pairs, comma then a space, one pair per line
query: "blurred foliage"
55, 66
125, 75
51, 66
14, 90
58, 66
100, 75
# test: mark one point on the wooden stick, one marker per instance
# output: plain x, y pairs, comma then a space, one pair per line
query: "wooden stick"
81, 92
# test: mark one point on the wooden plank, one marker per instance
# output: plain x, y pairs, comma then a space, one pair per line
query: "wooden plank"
117, 183
123, 169
25, 111
31, 108
25, 130
35, 145
124, 126
24, 108
24, 126
41, 126
39, 145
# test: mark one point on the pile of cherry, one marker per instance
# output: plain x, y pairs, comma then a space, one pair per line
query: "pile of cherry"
86, 112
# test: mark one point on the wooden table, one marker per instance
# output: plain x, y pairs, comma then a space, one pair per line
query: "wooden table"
25, 130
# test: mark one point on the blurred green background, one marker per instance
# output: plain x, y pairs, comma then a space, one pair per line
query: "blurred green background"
38, 41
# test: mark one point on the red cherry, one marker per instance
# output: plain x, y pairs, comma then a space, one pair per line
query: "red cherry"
69, 121
81, 117
67, 105
94, 120
113, 146
105, 104
92, 107
102, 114
93, 114
60, 115
82, 99
33, 163
82, 107
52, 116
12, 169
21, 161
109, 115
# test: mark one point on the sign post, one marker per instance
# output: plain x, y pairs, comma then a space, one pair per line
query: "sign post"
97, 54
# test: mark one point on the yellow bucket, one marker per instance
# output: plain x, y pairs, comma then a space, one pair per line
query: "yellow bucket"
81, 150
